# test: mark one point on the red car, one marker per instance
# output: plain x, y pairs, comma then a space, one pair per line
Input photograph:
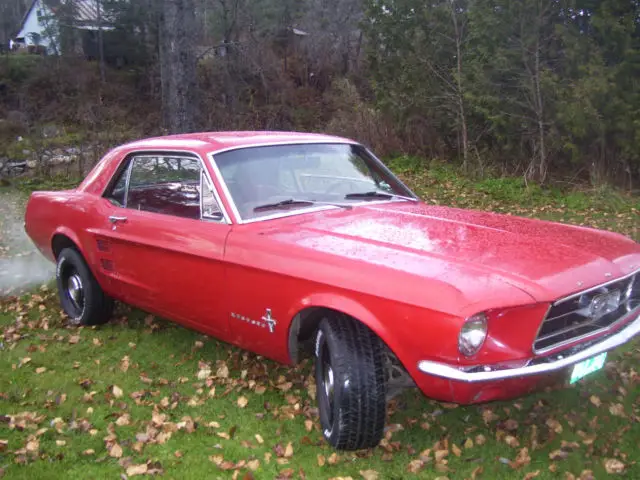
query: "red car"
291, 244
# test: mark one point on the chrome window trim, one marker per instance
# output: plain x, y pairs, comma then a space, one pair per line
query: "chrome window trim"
586, 335
276, 144
299, 211
126, 183
186, 154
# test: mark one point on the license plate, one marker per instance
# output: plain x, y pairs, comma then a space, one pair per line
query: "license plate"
590, 365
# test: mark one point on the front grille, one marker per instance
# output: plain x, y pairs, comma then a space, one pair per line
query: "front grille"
589, 312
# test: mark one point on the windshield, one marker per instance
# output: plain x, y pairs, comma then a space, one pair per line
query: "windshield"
268, 180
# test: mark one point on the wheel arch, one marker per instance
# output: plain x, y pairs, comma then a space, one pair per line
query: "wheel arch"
311, 311
64, 238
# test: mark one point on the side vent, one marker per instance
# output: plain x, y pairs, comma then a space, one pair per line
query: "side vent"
106, 264
103, 245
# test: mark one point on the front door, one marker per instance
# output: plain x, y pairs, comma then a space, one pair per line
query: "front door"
162, 238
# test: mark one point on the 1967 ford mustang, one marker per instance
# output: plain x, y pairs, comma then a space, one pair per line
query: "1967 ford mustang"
291, 244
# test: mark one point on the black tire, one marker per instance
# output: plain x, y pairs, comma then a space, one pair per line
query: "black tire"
353, 416
89, 305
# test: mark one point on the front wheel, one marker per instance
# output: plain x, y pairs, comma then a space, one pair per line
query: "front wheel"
81, 296
350, 383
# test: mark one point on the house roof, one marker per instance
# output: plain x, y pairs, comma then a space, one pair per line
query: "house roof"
88, 17
25, 16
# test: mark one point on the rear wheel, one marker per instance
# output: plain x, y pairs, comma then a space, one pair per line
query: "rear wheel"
81, 297
350, 383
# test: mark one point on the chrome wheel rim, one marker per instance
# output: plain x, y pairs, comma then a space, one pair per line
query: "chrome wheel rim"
75, 291
328, 383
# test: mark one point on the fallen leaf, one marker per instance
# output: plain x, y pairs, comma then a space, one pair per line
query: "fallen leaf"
456, 450
123, 420
321, 460
242, 402
41, 369
133, 470
558, 455
554, 425
73, 339
369, 474
511, 441
480, 439
117, 391
616, 409
222, 371
415, 466
488, 416
531, 475
32, 445
288, 451
308, 425
440, 455
259, 438
204, 372
511, 425
595, 400
115, 451
613, 465
468, 443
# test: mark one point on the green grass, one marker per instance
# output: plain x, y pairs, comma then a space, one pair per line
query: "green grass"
167, 373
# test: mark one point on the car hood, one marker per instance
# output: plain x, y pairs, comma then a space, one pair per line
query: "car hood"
544, 259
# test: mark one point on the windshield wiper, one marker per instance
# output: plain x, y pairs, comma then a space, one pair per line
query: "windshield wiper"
375, 194
293, 202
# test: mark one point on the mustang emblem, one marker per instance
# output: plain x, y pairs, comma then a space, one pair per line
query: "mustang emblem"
604, 303
271, 322
266, 321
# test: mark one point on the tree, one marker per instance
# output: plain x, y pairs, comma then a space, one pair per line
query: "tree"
418, 53
178, 65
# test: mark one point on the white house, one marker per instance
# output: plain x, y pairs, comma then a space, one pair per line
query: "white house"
40, 25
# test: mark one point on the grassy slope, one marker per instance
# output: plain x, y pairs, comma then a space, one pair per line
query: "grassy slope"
78, 427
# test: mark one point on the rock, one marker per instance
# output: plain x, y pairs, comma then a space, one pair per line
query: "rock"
49, 131
17, 117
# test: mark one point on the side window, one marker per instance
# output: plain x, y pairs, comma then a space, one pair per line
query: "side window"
118, 193
210, 207
168, 185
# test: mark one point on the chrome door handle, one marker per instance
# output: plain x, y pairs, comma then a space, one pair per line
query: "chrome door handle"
113, 219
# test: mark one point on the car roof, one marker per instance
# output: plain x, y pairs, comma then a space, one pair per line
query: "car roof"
217, 141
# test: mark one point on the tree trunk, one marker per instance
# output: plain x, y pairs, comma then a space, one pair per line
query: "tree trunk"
542, 162
459, 93
178, 65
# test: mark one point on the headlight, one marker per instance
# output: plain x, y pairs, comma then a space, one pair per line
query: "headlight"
472, 334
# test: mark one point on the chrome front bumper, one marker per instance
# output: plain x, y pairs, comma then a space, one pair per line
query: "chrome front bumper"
455, 373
